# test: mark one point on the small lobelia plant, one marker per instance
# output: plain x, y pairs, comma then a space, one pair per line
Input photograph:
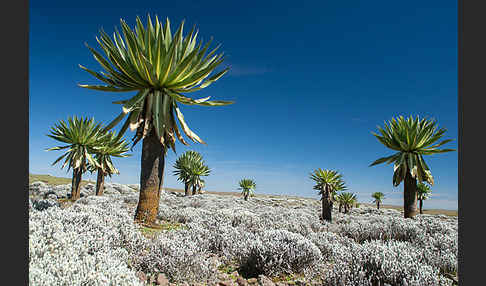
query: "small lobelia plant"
247, 187
423, 193
182, 168
197, 170
328, 183
348, 200
378, 198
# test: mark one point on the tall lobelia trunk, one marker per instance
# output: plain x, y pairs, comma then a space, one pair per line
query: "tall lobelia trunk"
76, 183
409, 196
421, 203
100, 182
378, 204
186, 189
326, 204
151, 179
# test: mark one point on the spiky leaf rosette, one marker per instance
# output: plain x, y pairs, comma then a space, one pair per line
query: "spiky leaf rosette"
197, 169
423, 191
330, 179
108, 145
247, 186
183, 164
378, 196
161, 67
81, 134
347, 199
411, 138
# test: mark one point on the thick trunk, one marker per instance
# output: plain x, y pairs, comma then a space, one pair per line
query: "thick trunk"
199, 190
421, 203
246, 197
186, 189
327, 205
378, 205
151, 179
340, 207
100, 182
193, 190
409, 196
76, 183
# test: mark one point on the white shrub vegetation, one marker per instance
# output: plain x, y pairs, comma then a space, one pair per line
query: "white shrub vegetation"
95, 242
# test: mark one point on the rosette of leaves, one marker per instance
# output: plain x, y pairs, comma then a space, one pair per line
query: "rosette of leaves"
182, 168
328, 183
107, 146
411, 138
423, 193
378, 198
161, 68
197, 170
247, 187
80, 135
348, 200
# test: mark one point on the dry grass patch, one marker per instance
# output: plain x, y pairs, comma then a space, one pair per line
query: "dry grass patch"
54, 181
152, 231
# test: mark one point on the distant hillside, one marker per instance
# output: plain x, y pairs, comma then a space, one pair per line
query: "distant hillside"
51, 180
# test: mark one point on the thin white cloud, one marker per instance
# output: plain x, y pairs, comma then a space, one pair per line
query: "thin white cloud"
241, 70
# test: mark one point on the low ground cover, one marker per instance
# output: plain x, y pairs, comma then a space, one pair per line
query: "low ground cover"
208, 239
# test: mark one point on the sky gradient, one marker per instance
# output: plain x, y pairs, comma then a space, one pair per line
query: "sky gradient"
311, 81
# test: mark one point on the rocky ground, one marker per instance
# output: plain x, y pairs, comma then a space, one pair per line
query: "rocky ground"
223, 240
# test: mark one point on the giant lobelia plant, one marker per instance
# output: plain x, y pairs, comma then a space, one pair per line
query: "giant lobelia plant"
80, 135
107, 146
411, 139
328, 183
161, 68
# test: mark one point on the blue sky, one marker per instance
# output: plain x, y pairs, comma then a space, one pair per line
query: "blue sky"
311, 81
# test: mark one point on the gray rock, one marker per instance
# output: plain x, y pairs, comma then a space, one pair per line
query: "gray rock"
162, 280
241, 281
265, 281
